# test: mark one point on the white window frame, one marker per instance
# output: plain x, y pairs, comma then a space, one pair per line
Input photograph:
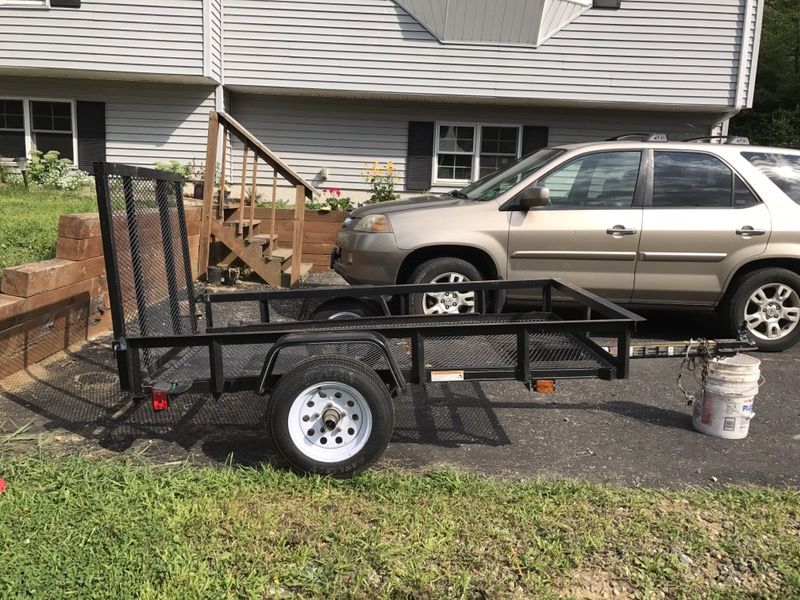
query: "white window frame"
22, 4
476, 150
27, 116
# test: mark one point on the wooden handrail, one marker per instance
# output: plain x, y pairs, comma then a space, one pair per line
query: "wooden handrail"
264, 153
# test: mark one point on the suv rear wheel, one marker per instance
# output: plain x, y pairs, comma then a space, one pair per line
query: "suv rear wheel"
768, 303
444, 270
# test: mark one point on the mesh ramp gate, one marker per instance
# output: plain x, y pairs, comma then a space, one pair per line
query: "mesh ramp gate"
148, 264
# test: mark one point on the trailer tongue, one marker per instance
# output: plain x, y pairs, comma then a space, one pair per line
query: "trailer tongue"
330, 381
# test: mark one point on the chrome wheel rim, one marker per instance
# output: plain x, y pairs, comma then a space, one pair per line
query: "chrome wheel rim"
330, 422
772, 312
448, 303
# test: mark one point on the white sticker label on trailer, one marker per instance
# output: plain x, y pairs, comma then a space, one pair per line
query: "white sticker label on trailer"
447, 376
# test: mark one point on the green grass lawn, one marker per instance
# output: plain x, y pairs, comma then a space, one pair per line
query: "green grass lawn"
29, 221
80, 528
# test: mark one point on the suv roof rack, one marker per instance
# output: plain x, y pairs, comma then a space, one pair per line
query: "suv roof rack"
729, 139
639, 137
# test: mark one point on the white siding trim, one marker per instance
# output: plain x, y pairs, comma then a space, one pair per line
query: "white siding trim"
744, 51
754, 58
207, 39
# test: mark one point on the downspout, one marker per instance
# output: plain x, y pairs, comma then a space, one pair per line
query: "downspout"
743, 96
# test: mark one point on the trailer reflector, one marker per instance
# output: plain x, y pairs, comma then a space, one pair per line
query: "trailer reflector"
160, 400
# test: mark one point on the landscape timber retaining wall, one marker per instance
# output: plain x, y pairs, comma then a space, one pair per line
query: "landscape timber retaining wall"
47, 306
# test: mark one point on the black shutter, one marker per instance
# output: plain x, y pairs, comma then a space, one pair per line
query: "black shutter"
534, 138
91, 134
65, 3
419, 162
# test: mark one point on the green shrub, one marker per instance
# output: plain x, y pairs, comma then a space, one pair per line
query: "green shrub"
51, 171
175, 166
381, 182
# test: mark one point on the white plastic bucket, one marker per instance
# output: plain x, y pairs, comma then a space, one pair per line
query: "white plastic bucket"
730, 389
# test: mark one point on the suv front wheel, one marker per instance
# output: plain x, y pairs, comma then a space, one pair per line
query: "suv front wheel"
444, 270
767, 302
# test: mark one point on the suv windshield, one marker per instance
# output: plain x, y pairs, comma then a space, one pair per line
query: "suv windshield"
494, 184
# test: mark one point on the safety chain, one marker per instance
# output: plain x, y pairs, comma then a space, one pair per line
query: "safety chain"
689, 364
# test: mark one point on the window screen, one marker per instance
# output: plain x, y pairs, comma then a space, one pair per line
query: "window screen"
691, 180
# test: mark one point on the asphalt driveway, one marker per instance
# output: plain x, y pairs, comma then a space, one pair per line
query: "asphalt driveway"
632, 432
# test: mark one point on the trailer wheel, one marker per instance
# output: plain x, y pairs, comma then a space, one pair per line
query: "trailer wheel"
331, 416
344, 308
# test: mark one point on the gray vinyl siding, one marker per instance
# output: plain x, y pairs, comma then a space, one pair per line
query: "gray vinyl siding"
679, 53
145, 122
216, 28
121, 36
343, 135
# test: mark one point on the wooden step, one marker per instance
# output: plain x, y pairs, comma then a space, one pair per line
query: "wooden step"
286, 276
251, 254
245, 223
262, 239
284, 255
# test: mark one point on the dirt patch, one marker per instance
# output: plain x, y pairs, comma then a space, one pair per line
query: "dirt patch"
595, 584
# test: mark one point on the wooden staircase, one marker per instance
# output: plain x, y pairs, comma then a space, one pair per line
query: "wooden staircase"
252, 240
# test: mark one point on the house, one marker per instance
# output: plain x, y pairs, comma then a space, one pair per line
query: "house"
446, 89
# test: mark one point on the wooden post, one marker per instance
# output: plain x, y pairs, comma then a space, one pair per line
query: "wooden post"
240, 227
208, 193
253, 192
297, 240
274, 212
222, 169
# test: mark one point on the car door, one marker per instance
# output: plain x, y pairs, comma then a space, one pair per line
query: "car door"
589, 233
700, 221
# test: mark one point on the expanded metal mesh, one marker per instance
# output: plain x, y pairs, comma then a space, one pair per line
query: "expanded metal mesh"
144, 214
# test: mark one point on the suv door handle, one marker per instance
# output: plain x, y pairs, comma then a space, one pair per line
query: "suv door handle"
620, 230
748, 231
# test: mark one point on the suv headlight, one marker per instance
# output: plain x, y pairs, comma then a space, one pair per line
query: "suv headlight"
374, 224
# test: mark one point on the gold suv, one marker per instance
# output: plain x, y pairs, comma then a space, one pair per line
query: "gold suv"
638, 220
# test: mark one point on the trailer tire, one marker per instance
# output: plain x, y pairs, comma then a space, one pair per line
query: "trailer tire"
341, 309
331, 416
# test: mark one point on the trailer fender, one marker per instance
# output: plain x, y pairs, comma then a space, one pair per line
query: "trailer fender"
395, 379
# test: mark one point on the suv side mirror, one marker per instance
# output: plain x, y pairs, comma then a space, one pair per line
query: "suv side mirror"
534, 197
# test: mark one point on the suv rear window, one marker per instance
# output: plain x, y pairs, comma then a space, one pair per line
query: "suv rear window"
782, 169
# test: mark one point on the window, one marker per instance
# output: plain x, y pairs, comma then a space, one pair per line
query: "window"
44, 125
471, 152
602, 180
24, 3
782, 169
691, 180
12, 128
499, 147
52, 127
456, 152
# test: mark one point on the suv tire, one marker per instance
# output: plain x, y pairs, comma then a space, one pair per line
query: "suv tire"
768, 302
444, 270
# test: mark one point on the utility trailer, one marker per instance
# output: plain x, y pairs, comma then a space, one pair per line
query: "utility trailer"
330, 358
